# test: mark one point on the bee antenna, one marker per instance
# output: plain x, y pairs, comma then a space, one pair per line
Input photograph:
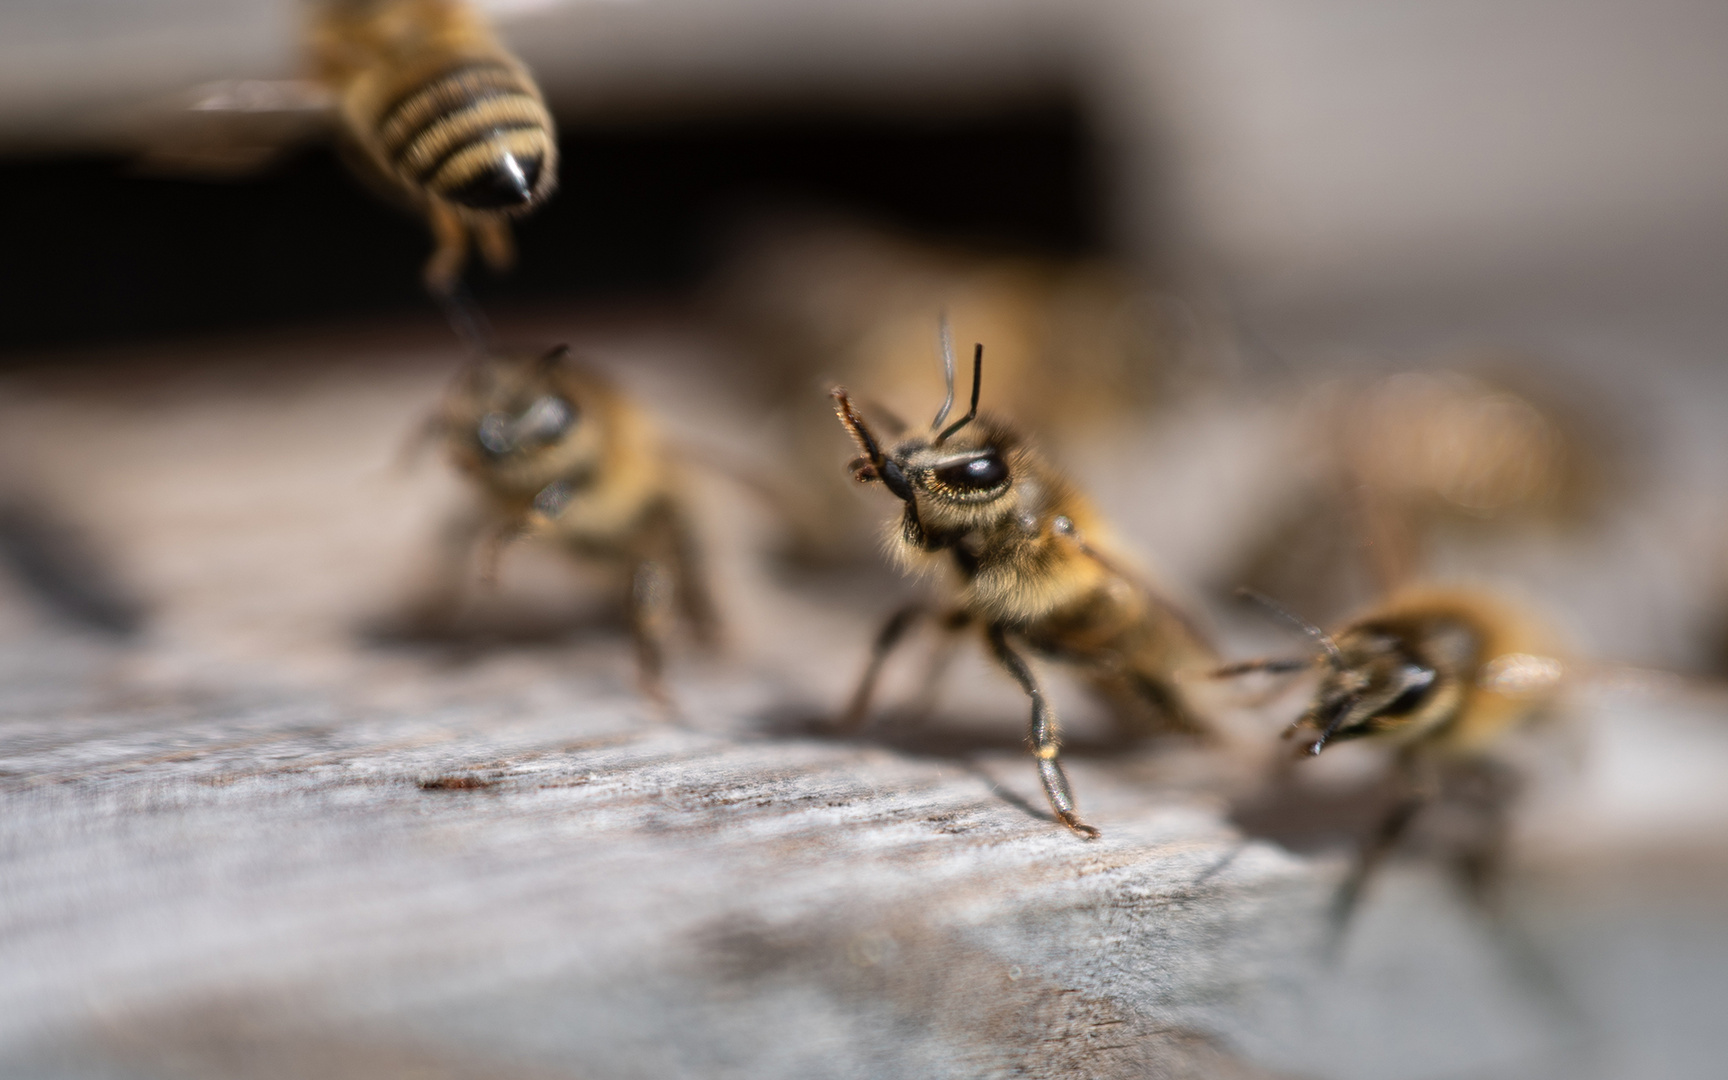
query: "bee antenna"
466, 318
1321, 637
945, 335
977, 381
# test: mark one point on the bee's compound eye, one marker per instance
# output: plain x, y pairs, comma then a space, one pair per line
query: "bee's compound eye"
1417, 682
545, 420
493, 433
974, 474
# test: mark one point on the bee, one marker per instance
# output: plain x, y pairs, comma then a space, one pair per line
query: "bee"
555, 450
428, 108
1404, 463
438, 108
1030, 565
1443, 676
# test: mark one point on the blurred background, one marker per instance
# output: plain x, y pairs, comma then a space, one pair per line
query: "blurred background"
1236, 263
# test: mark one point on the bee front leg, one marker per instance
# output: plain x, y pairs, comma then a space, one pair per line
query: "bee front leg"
886, 639
1418, 792
1046, 747
1391, 829
450, 237
438, 595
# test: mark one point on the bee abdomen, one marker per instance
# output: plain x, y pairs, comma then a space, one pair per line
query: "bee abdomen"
476, 134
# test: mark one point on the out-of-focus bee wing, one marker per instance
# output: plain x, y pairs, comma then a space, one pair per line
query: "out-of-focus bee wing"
1647, 681
231, 127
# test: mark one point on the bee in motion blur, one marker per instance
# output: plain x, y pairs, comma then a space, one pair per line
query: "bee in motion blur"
429, 109
556, 451
1442, 676
1028, 563
1412, 463
445, 114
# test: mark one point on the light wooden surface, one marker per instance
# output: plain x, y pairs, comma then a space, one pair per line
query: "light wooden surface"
532, 876
261, 841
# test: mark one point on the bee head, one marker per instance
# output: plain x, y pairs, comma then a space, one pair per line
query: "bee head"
516, 418
952, 471
1390, 677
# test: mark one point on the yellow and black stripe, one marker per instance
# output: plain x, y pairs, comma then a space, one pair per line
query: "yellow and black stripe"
475, 133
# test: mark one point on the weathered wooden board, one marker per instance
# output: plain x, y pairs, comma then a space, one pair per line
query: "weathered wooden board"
550, 881
262, 840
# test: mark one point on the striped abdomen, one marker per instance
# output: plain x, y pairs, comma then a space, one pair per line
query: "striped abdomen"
476, 134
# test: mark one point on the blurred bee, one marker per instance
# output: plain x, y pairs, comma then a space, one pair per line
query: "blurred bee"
438, 106
1443, 677
1029, 564
555, 450
431, 109
1400, 459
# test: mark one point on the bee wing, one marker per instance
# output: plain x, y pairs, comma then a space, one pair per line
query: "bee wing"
231, 127
1649, 681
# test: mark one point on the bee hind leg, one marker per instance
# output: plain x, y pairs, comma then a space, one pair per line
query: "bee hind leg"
450, 251
497, 246
1046, 747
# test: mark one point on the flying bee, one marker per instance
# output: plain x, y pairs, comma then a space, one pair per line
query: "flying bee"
429, 107
1441, 675
555, 450
1029, 565
438, 106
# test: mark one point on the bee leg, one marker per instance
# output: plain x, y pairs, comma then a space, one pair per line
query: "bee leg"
690, 584
1386, 836
450, 235
438, 586
940, 660
497, 246
493, 540
1042, 735
886, 638
647, 604
1480, 867
1171, 708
